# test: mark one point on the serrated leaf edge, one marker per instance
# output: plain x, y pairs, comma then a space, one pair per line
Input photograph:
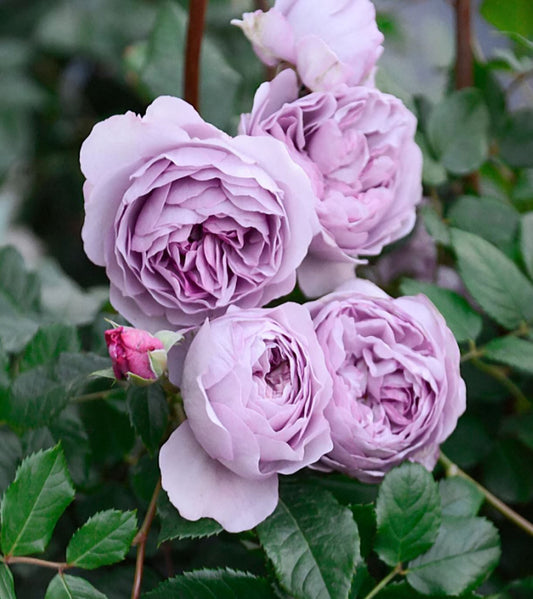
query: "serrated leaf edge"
130, 514
60, 456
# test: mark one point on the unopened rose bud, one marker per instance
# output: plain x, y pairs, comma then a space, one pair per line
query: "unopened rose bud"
135, 352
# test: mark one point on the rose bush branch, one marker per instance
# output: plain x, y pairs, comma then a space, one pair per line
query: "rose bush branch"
140, 541
452, 469
474, 354
522, 402
195, 32
142, 536
35, 561
464, 60
478, 352
262, 5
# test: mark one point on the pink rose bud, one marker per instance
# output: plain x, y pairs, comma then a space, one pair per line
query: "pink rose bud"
134, 352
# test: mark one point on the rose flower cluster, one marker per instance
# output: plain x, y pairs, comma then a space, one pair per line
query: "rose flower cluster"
198, 231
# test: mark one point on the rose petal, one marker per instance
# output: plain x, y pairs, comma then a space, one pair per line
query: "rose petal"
200, 487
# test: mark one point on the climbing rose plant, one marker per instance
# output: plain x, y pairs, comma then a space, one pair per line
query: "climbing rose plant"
265, 404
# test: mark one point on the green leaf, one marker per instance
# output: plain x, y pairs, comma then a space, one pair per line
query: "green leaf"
74, 369
521, 589
15, 330
15, 139
148, 411
515, 352
515, 16
4, 367
162, 72
173, 526
104, 539
19, 300
49, 342
526, 241
408, 513
10, 457
34, 400
469, 443
463, 321
435, 226
365, 518
213, 584
98, 29
14, 54
313, 543
516, 138
458, 131
459, 497
20, 92
346, 490
33, 503
520, 426
7, 586
465, 552
110, 434
64, 299
491, 219
494, 281
64, 586
522, 191
508, 472
362, 582
433, 173
68, 428
18, 286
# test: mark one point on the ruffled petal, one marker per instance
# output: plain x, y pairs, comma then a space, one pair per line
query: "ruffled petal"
200, 487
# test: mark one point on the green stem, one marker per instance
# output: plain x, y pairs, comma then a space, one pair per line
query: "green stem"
475, 353
522, 402
385, 581
471, 355
94, 396
452, 469
478, 352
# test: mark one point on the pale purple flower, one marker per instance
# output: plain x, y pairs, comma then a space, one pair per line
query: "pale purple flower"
357, 146
188, 220
254, 387
397, 388
328, 42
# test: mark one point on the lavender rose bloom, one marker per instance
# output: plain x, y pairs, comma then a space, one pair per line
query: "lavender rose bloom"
328, 42
188, 220
397, 389
255, 387
357, 146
